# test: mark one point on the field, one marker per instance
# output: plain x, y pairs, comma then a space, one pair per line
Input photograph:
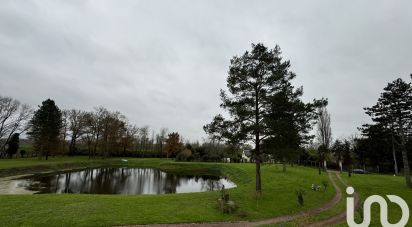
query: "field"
278, 197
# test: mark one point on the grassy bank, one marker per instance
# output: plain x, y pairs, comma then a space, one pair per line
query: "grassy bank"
107, 210
373, 184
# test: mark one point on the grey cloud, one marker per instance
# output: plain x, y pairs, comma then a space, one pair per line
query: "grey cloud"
162, 63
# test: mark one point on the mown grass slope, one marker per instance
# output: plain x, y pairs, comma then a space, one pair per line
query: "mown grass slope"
278, 196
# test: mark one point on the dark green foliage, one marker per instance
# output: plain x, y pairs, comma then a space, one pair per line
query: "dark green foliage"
13, 145
254, 82
185, 155
290, 121
253, 79
22, 153
342, 152
300, 194
393, 112
45, 128
325, 184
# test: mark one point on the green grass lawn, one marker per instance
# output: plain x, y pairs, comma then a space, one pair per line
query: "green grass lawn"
278, 196
373, 184
341, 206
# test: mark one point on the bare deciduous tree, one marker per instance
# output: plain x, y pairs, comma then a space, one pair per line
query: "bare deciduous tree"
14, 117
77, 126
128, 136
161, 138
64, 130
324, 135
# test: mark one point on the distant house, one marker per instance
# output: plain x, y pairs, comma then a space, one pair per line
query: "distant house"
246, 155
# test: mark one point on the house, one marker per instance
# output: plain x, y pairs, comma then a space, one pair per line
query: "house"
246, 155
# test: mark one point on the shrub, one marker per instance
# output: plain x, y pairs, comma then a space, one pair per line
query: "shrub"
242, 214
325, 184
300, 193
22, 153
185, 155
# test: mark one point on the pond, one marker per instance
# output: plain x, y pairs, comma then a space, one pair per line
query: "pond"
121, 181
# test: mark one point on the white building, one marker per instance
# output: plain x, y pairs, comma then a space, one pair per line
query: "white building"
246, 155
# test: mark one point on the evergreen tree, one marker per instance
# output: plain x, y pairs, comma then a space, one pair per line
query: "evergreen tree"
379, 147
45, 128
13, 145
290, 121
254, 79
394, 110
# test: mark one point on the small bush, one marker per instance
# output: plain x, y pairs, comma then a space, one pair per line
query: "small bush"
242, 214
22, 153
185, 155
325, 184
315, 187
300, 194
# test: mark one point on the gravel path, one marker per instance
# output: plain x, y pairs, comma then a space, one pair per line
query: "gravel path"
328, 222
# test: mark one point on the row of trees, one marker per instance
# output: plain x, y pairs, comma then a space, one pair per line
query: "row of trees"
99, 132
385, 144
390, 134
53, 131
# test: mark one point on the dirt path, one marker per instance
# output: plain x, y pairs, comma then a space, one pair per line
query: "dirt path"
331, 221
338, 218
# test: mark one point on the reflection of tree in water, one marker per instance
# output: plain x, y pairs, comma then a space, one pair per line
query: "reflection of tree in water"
122, 181
171, 183
211, 183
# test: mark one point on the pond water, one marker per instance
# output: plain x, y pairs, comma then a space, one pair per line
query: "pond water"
121, 181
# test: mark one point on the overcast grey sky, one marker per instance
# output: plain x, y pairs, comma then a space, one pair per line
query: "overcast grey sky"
162, 63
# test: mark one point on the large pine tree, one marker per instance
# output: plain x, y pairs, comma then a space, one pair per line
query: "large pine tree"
45, 128
254, 79
394, 110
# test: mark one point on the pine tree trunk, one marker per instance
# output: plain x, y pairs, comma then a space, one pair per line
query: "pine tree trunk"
257, 146
258, 179
257, 160
395, 162
319, 167
405, 163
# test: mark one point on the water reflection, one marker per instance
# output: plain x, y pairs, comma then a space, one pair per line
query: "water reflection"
122, 181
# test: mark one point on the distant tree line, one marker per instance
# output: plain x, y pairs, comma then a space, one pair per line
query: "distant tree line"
97, 133
384, 146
